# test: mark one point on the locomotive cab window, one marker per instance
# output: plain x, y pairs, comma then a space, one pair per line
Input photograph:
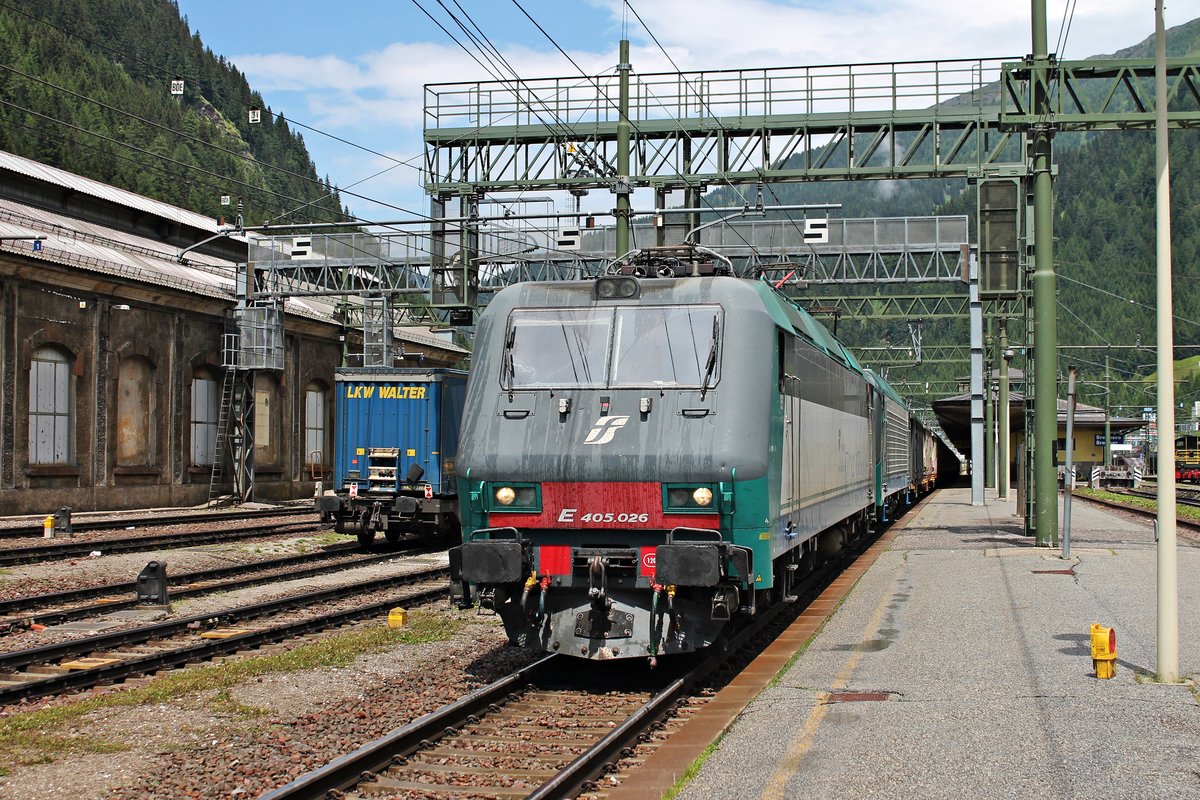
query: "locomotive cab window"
668, 346
659, 346
556, 348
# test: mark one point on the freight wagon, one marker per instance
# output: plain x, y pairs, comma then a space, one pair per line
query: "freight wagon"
396, 440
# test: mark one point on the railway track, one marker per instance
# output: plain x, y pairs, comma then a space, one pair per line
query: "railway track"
22, 612
107, 657
536, 734
1186, 524
35, 530
10, 556
1183, 497
522, 736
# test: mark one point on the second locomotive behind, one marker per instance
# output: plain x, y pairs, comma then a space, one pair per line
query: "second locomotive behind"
644, 463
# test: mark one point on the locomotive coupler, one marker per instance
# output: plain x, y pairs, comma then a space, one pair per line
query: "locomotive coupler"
487, 598
724, 600
598, 585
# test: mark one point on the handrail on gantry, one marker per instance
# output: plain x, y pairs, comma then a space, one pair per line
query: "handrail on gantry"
732, 94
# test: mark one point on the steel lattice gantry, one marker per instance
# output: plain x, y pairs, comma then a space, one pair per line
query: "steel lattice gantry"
977, 118
398, 264
923, 119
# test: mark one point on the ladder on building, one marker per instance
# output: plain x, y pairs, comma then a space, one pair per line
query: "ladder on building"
223, 417
229, 388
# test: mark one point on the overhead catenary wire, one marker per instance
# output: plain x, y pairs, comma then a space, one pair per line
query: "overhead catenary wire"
155, 164
162, 168
249, 187
1126, 299
142, 150
278, 194
1064, 29
562, 130
241, 156
244, 157
696, 92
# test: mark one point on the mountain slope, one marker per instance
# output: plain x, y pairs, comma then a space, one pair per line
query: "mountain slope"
85, 86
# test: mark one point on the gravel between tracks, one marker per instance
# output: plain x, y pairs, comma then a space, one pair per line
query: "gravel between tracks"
256, 734
205, 745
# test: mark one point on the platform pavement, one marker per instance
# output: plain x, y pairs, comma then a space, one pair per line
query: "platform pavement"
980, 645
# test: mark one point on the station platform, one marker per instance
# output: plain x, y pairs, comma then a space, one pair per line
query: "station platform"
959, 665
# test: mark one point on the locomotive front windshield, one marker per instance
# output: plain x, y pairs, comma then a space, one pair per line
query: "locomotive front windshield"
660, 346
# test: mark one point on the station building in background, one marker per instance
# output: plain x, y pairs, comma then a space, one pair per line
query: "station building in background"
111, 353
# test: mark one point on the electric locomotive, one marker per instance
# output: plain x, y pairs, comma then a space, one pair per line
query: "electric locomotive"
644, 462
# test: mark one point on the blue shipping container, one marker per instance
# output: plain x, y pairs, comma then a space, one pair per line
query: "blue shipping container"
395, 442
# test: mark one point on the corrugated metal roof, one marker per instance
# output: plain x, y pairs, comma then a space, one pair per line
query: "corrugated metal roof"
96, 248
103, 191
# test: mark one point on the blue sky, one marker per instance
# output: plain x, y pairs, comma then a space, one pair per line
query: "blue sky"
356, 69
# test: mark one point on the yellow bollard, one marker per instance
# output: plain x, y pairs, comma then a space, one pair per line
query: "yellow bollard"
1104, 651
397, 618
48, 527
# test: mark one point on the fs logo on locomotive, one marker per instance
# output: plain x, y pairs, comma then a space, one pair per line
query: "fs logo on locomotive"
605, 429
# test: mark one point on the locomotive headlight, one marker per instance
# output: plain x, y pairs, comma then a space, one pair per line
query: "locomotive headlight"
524, 497
687, 498
677, 498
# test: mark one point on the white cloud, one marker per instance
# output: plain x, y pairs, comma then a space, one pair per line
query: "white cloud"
759, 33
290, 72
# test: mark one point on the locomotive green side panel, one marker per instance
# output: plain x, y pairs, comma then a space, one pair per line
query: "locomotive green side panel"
470, 505
752, 523
755, 519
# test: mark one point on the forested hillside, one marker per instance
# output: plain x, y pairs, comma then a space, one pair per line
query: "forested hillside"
85, 86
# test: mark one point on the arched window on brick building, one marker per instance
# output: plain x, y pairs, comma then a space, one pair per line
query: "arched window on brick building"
135, 413
51, 407
206, 409
316, 436
268, 444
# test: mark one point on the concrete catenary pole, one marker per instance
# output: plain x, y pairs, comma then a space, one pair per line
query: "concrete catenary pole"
975, 321
989, 411
1168, 570
1107, 412
1005, 435
1045, 319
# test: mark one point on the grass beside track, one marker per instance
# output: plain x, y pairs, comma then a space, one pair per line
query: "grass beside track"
1190, 513
29, 737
